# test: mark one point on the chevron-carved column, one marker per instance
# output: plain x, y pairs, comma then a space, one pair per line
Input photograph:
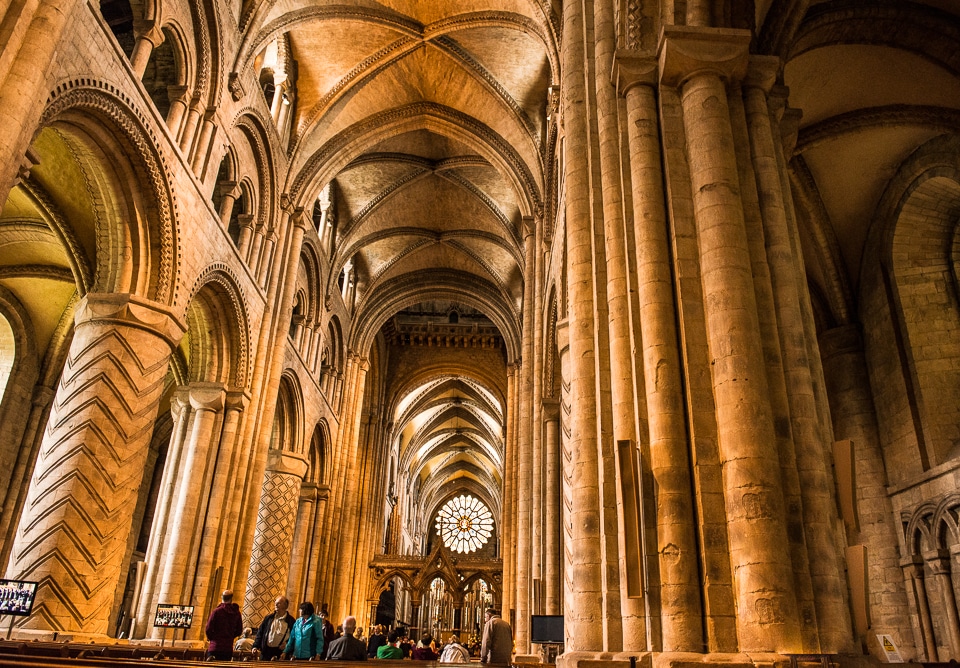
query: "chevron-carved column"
74, 533
273, 539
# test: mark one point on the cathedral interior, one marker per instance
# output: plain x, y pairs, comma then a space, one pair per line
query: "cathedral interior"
643, 313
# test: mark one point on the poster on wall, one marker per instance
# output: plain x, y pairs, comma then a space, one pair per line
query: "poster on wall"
173, 616
16, 597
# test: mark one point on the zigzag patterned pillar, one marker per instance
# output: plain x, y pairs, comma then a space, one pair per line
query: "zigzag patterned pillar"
74, 532
270, 558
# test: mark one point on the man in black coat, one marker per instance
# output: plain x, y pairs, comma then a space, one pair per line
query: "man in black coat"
274, 631
346, 647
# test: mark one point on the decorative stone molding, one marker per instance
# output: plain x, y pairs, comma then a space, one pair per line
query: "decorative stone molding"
630, 69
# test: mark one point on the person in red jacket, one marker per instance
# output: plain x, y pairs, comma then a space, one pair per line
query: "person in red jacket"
223, 627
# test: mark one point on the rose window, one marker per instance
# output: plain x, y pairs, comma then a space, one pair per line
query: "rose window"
465, 524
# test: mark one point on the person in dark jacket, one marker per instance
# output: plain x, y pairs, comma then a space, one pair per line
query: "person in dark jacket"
223, 627
346, 647
425, 649
274, 631
376, 641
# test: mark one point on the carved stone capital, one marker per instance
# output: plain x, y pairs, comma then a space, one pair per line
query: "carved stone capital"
237, 399
207, 396
131, 311
286, 463
686, 51
245, 220
631, 69
178, 94
148, 30
762, 72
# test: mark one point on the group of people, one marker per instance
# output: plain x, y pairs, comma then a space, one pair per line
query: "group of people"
312, 636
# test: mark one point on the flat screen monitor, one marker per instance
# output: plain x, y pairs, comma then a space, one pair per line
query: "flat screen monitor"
16, 597
546, 629
174, 616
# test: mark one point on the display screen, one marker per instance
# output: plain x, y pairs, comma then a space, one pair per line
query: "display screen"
174, 616
16, 597
546, 629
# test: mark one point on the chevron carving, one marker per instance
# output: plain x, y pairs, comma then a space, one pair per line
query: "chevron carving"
76, 523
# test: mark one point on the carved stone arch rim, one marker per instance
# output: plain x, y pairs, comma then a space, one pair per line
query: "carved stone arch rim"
224, 276
112, 105
249, 123
938, 157
383, 582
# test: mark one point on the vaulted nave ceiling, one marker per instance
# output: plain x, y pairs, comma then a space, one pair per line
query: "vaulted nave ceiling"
429, 119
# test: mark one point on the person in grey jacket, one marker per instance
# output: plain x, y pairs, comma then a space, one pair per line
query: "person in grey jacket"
497, 644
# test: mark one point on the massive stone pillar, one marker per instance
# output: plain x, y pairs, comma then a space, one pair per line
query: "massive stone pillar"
273, 538
783, 256
680, 609
177, 560
583, 576
619, 455
74, 534
698, 61
551, 513
523, 539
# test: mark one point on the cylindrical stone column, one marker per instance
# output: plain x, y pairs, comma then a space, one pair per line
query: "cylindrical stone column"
763, 579
273, 537
551, 516
525, 451
680, 608
816, 485
219, 535
178, 96
311, 585
939, 562
507, 544
180, 412
74, 534
179, 559
913, 576
229, 193
303, 528
583, 581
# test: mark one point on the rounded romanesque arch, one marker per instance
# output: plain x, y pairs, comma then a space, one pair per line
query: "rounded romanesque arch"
134, 213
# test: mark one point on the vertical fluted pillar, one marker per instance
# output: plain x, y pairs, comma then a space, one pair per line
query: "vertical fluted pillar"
311, 587
525, 449
178, 559
680, 608
74, 532
696, 61
816, 485
583, 578
349, 519
551, 515
508, 550
622, 380
273, 537
180, 412
303, 527
219, 534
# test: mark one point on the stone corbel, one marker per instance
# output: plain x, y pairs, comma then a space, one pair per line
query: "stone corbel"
236, 88
685, 51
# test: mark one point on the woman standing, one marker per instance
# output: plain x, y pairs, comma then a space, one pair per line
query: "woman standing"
306, 636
